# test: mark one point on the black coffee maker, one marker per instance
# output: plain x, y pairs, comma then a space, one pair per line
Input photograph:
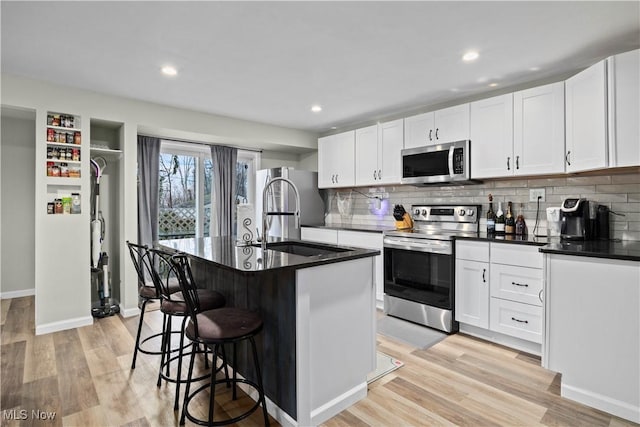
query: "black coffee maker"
575, 221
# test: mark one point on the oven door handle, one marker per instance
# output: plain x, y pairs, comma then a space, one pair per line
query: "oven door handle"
437, 248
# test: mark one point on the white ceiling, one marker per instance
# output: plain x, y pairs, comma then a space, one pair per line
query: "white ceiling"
270, 61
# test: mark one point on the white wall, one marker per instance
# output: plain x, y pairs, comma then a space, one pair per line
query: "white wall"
18, 206
275, 159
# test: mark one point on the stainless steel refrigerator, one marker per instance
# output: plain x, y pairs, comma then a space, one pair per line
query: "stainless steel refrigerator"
311, 202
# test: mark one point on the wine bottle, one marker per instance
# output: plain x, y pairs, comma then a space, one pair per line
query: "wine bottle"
491, 217
500, 219
521, 226
509, 221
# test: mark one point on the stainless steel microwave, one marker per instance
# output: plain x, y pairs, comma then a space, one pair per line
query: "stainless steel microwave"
447, 163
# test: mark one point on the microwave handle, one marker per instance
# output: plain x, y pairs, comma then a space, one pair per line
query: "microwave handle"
451, 173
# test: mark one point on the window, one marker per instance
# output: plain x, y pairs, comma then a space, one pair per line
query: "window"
185, 173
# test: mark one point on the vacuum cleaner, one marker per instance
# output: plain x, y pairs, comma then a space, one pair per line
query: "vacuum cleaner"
106, 305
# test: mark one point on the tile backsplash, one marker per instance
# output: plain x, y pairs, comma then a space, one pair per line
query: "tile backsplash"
620, 192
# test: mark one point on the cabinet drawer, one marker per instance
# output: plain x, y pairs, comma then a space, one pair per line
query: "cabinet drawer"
321, 235
360, 239
514, 254
516, 283
516, 319
471, 250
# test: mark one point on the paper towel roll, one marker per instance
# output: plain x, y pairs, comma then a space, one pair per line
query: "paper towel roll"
246, 223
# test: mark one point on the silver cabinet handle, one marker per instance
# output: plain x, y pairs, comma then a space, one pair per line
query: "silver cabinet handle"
517, 162
336, 178
520, 284
333, 179
484, 272
508, 163
519, 321
540, 295
430, 131
374, 175
567, 158
437, 129
379, 173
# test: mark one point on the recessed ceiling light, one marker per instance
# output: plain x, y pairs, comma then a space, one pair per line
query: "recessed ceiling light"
472, 55
493, 84
455, 89
534, 69
333, 128
168, 70
316, 108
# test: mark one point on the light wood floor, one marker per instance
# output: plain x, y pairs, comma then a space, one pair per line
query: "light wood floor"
84, 376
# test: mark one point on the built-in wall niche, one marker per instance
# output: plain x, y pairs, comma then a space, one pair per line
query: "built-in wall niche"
106, 145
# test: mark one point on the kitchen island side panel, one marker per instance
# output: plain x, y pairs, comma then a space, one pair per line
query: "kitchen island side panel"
272, 294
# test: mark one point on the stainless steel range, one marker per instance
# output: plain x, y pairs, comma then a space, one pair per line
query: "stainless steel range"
419, 270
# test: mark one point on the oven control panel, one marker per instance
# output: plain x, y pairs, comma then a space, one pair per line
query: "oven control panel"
440, 213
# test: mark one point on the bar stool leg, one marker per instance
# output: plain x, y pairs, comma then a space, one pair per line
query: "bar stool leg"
259, 374
135, 350
180, 351
213, 388
186, 392
235, 369
166, 329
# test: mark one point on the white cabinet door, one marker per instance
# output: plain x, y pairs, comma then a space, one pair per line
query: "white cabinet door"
419, 130
336, 157
361, 239
366, 158
624, 109
452, 124
538, 130
472, 293
586, 109
325, 167
491, 134
320, 235
389, 152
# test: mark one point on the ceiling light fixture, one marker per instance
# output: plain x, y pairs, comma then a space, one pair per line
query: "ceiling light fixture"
470, 56
316, 108
168, 70
493, 84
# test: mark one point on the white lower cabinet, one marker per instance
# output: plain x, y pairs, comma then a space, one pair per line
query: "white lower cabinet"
499, 289
356, 239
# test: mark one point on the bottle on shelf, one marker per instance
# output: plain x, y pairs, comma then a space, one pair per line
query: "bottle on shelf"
491, 217
509, 221
500, 220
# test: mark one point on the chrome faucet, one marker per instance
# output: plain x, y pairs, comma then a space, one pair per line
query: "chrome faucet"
266, 213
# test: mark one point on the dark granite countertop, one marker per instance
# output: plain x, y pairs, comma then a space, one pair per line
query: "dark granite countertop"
611, 249
355, 227
226, 253
528, 239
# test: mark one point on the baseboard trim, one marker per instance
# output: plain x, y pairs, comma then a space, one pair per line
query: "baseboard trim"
502, 339
339, 404
602, 402
63, 325
18, 294
129, 312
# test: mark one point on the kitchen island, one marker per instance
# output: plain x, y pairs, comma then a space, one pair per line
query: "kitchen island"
318, 306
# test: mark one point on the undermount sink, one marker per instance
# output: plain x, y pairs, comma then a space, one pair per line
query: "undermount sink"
304, 249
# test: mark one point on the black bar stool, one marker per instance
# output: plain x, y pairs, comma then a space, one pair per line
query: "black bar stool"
173, 305
147, 291
216, 328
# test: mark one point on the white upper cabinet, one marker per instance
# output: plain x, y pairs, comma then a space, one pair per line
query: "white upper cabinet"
389, 152
491, 134
452, 124
624, 109
336, 160
586, 121
378, 159
446, 125
538, 130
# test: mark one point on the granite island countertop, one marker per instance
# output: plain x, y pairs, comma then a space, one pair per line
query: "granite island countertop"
225, 252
